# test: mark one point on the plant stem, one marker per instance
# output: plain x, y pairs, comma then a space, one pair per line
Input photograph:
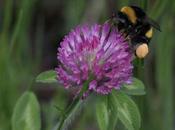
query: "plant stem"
76, 102
68, 111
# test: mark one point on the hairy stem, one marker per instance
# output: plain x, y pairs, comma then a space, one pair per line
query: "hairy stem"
68, 112
76, 103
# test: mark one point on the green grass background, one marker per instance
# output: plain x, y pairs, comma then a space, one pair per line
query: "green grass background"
30, 32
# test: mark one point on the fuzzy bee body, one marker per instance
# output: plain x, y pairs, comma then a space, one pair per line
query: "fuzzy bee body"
138, 27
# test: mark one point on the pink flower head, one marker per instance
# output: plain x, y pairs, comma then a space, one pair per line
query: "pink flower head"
98, 51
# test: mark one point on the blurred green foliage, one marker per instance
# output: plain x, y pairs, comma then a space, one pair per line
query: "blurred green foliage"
29, 34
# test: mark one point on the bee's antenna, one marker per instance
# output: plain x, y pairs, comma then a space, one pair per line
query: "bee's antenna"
113, 15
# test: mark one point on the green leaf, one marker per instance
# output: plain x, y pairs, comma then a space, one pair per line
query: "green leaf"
128, 112
47, 77
26, 115
113, 114
102, 113
136, 88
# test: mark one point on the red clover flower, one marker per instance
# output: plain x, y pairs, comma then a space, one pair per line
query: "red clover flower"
97, 51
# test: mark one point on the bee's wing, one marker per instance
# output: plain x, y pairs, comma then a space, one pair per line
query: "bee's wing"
154, 24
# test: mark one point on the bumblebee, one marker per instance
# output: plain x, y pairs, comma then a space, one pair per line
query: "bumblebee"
137, 27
